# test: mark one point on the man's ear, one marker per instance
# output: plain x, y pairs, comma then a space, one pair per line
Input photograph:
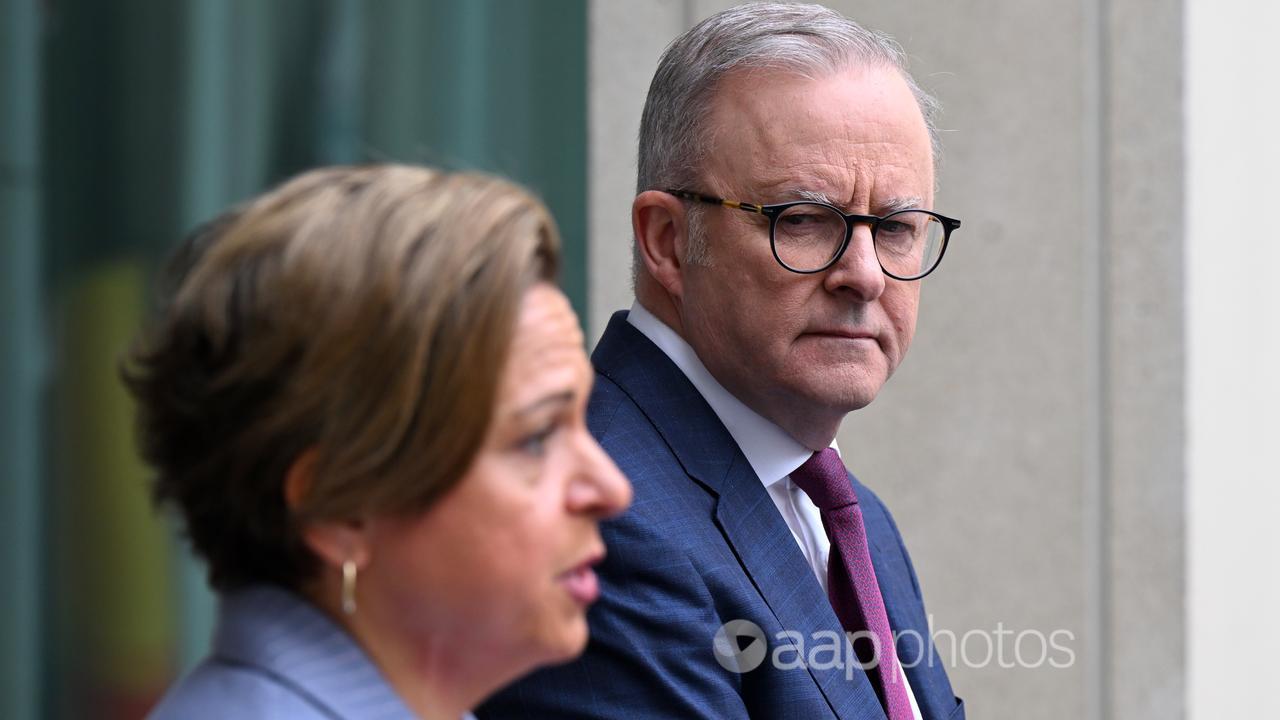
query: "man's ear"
661, 231
333, 541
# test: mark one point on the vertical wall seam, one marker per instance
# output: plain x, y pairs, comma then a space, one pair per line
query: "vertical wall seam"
1105, 360
1096, 297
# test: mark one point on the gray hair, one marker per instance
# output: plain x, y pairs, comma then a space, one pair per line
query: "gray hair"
810, 40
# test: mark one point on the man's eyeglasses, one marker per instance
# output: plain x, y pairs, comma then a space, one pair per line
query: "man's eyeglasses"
809, 237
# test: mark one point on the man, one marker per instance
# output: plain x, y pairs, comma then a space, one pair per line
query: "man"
781, 226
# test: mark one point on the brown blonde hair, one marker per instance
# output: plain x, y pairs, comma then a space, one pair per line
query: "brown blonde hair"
363, 311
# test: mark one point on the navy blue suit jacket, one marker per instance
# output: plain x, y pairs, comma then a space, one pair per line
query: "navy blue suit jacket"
701, 545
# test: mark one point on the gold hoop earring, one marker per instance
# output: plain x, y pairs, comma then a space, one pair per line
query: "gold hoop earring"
349, 587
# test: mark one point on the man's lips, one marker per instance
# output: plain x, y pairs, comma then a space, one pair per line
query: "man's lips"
580, 580
845, 334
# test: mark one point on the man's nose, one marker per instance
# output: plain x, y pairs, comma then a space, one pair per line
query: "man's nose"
858, 271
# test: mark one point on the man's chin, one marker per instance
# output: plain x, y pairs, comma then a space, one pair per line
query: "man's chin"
815, 412
843, 394
848, 402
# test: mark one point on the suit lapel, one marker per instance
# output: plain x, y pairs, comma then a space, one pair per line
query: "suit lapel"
768, 552
744, 511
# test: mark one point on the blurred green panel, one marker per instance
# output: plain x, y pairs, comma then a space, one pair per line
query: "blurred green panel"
142, 118
494, 85
21, 359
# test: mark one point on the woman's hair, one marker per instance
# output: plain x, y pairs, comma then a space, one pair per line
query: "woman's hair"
365, 312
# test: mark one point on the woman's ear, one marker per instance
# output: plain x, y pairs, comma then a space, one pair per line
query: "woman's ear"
333, 541
298, 478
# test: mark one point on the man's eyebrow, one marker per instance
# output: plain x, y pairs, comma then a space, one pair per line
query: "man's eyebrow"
890, 205
559, 398
785, 189
813, 195
894, 204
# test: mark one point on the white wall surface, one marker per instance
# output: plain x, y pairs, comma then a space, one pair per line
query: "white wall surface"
1233, 357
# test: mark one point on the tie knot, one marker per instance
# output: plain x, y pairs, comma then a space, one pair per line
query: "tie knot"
823, 478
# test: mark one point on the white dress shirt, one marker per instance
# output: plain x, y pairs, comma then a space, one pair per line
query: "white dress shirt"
772, 453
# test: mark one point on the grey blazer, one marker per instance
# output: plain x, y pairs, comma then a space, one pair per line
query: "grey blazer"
277, 656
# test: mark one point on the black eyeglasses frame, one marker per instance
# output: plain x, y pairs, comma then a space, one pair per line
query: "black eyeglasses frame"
774, 211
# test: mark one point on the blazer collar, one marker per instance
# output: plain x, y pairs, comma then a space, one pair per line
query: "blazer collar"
281, 634
667, 399
744, 511
773, 453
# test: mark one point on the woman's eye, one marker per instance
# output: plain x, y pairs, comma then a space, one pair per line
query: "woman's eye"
536, 443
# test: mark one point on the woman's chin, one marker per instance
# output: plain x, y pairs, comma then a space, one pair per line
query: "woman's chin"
570, 641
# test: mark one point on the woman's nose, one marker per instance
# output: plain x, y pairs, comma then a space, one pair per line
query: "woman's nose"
599, 487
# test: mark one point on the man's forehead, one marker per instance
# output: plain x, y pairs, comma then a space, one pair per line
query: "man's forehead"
765, 89
786, 190
782, 134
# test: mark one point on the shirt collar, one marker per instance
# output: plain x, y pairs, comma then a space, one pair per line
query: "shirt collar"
772, 453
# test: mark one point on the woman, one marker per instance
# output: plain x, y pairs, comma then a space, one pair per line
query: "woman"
367, 400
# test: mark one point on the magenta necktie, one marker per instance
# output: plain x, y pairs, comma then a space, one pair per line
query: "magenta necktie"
851, 581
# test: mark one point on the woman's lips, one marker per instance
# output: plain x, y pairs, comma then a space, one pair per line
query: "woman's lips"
581, 583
